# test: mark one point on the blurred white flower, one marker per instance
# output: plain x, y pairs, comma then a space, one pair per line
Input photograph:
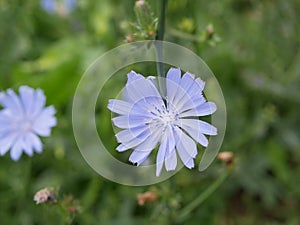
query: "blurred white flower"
22, 119
44, 195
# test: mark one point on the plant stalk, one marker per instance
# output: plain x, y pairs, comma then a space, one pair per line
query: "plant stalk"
160, 36
202, 197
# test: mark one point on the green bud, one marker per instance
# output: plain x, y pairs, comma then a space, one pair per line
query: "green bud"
143, 13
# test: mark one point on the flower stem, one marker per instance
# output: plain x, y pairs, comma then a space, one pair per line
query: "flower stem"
161, 19
160, 36
202, 197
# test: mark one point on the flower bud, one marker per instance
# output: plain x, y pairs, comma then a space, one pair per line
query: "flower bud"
143, 13
149, 196
226, 157
209, 31
129, 38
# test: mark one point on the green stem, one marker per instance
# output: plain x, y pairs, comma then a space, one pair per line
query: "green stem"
202, 197
160, 36
161, 19
65, 215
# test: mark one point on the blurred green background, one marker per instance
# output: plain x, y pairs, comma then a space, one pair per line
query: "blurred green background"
253, 48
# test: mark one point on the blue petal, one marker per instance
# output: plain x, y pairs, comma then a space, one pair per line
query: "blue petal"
16, 150
189, 93
200, 83
201, 126
161, 156
172, 82
7, 118
139, 157
190, 164
192, 86
39, 102
180, 99
119, 106
186, 148
35, 142
131, 138
171, 139
185, 85
6, 143
125, 122
27, 144
140, 154
27, 96
133, 142
132, 76
153, 80
194, 132
204, 109
129, 134
44, 122
167, 147
138, 88
171, 161
183, 141
125, 95
151, 142
129, 145
190, 103
148, 107
11, 101
143, 107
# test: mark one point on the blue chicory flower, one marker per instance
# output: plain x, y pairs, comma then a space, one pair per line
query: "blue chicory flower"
63, 6
173, 121
22, 119
70, 4
48, 5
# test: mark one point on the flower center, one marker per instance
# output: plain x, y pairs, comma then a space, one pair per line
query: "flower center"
163, 119
168, 118
163, 114
24, 126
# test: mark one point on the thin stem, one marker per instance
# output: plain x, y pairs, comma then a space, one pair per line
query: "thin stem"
202, 197
160, 36
161, 19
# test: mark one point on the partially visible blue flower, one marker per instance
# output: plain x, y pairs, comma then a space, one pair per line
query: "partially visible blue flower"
148, 119
48, 5
61, 7
22, 119
70, 4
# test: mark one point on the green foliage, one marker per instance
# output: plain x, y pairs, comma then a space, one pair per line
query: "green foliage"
256, 63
